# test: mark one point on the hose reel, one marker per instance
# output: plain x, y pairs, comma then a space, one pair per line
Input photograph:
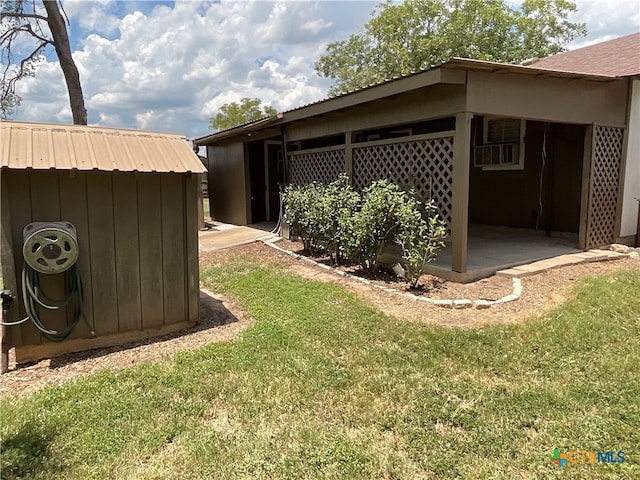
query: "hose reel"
50, 248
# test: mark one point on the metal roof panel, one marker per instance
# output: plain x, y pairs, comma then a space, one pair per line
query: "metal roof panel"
78, 147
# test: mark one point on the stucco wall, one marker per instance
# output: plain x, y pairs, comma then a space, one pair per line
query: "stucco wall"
631, 194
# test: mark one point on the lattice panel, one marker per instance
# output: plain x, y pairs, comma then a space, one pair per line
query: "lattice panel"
606, 158
425, 165
317, 166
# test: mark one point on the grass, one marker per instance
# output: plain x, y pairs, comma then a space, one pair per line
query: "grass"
323, 386
205, 207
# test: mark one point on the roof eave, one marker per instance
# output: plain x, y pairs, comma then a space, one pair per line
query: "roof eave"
239, 130
432, 76
470, 64
450, 72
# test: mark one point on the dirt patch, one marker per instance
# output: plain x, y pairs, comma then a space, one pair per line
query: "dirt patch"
541, 292
222, 319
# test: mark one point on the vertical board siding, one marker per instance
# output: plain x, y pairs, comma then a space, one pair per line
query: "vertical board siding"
173, 248
150, 237
45, 207
192, 284
20, 204
73, 208
8, 272
138, 242
101, 238
125, 216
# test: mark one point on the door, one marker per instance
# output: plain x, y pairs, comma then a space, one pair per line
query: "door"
257, 183
273, 177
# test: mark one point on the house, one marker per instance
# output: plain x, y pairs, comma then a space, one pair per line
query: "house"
545, 152
132, 198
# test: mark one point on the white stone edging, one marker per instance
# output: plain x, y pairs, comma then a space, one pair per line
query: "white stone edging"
457, 303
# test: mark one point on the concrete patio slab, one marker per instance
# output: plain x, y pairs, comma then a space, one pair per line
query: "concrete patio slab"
560, 261
223, 236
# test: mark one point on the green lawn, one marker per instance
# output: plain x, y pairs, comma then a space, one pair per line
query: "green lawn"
205, 207
323, 386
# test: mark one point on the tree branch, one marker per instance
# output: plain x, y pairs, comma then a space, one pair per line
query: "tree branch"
23, 28
22, 15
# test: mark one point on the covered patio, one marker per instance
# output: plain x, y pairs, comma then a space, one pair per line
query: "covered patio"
514, 148
494, 248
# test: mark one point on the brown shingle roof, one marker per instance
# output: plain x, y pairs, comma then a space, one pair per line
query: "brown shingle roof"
77, 147
618, 57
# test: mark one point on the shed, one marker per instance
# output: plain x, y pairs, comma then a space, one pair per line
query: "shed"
532, 160
132, 197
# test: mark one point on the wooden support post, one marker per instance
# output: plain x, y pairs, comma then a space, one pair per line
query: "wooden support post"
348, 156
583, 229
199, 202
460, 189
4, 354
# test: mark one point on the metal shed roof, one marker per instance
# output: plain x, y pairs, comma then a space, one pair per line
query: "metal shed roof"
43, 146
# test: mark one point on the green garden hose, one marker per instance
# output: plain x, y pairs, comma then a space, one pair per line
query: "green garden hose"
34, 298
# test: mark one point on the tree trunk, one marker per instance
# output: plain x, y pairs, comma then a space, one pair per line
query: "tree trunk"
63, 50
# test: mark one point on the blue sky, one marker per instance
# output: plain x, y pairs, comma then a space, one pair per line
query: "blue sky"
169, 66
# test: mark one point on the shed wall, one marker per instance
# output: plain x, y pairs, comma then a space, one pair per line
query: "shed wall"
137, 236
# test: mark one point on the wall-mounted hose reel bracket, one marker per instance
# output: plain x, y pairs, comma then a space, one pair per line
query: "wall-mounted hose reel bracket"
50, 248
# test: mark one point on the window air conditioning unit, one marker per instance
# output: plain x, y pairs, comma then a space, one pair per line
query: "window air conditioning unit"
496, 155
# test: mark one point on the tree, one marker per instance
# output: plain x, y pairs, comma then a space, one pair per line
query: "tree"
403, 38
24, 24
233, 114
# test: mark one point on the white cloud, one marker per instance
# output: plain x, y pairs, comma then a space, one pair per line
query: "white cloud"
171, 67
93, 16
606, 19
316, 26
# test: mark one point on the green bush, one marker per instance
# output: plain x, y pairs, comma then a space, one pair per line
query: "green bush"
338, 203
376, 224
301, 204
318, 212
421, 235
337, 219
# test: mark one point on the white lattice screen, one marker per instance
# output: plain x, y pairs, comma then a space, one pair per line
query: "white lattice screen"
321, 166
606, 158
425, 164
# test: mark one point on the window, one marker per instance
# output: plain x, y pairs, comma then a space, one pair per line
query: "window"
503, 144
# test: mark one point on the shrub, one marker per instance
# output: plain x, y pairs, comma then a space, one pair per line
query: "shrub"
338, 203
300, 212
421, 236
335, 218
317, 212
376, 224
